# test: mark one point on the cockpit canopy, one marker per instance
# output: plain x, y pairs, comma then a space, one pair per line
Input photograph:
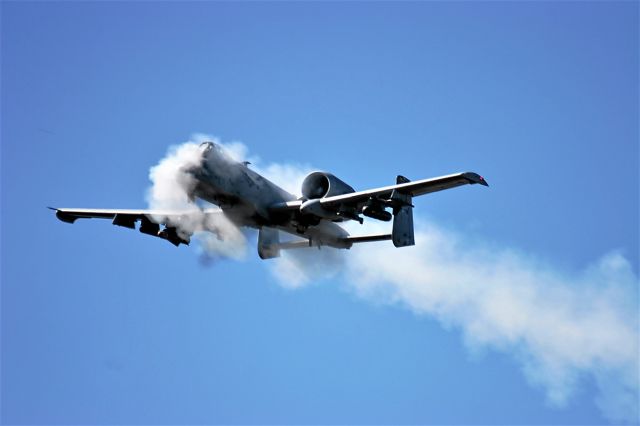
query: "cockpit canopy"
208, 146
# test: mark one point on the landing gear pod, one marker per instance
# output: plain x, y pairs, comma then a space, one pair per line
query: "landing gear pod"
402, 234
376, 210
268, 243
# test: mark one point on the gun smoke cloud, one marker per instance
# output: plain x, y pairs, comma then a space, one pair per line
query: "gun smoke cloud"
217, 236
564, 328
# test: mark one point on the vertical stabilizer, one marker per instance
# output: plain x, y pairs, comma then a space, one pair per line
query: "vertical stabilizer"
268, 243
402, 235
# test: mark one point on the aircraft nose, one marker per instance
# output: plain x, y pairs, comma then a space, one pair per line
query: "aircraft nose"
206, 146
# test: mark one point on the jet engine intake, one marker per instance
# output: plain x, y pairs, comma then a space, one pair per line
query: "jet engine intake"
321, 184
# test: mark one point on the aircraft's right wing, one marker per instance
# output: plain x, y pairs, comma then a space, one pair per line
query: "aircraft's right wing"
178, 225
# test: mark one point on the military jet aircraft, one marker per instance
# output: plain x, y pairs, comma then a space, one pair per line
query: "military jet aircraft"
248, 199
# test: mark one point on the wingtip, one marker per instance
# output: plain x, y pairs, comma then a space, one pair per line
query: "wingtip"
475, 178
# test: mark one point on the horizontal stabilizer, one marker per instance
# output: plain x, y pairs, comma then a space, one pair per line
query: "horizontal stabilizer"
294, 244
346, 242
270, 249
367, 238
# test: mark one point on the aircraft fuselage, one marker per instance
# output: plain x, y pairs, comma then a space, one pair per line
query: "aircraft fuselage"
245, 197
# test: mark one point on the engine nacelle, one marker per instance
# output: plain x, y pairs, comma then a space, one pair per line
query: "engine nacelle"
321, 184
313, 208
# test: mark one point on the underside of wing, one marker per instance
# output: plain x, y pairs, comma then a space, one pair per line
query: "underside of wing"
173, 226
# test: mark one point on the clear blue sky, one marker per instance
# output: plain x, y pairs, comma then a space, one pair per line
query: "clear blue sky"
104, 325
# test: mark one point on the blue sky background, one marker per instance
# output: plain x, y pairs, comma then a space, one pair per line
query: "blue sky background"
104, 325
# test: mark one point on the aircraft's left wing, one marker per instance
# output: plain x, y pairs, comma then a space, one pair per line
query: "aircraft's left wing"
404, 186
412, 188
178, 225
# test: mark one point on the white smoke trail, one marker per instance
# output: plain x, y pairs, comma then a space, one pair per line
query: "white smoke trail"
563, 327
297, 268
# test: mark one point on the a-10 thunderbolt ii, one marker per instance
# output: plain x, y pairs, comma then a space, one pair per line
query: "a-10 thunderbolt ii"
248, 199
